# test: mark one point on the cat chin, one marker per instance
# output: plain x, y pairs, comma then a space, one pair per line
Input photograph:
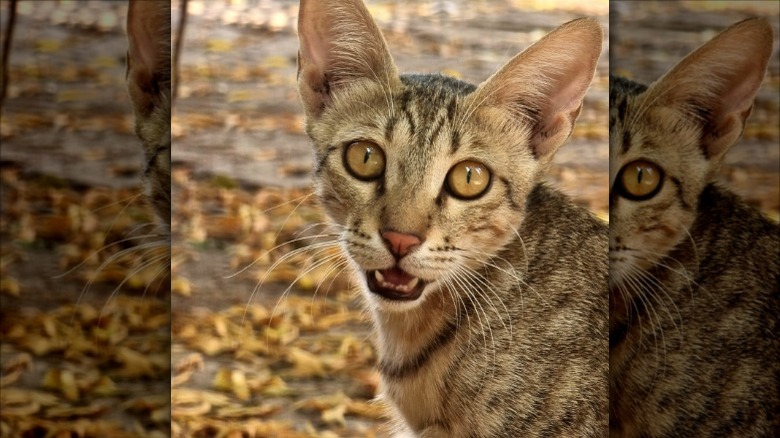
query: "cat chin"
383, 305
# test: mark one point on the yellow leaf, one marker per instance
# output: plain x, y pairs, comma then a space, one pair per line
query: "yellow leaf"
276, 387
247, 411
335, 415
208, 345
135, 363
276, 61
219, 45
240, 387
181, 286
370, 409
10, 286
222, 380
48, 45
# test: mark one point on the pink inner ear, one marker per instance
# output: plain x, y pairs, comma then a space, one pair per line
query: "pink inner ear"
142, 52
315, 36
142, 29
339, 44
739, 98
543, 86
564, 102
570, 91
314, 46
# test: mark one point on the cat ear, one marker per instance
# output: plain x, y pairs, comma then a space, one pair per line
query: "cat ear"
339, 44
149, 54
715, 85
543, 86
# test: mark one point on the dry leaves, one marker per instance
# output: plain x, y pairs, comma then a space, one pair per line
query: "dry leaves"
85, 344
266, 361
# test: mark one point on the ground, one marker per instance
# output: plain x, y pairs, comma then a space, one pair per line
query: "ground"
264, 340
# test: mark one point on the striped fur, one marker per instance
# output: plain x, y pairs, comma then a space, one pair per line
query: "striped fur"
149, 85
509, 336
694, 271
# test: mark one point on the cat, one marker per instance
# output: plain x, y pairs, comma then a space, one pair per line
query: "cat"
487, 287
694, 271
149, 85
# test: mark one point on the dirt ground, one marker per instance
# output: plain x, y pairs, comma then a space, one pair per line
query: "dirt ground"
264, 340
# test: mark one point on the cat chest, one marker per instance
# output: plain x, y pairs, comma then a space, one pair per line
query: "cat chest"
420, 394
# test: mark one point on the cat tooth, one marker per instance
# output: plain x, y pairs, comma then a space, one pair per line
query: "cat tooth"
411, 284
379, 277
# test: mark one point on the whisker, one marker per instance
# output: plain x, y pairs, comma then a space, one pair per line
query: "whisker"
320, 247
102, 249
258, 259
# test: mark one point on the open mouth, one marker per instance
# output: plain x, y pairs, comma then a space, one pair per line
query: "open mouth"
395, 284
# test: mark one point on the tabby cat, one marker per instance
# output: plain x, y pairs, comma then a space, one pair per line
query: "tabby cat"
149, 85
487, 287
694, 271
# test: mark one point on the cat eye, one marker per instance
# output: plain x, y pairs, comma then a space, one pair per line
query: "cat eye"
468, 179
364, 160
639, 180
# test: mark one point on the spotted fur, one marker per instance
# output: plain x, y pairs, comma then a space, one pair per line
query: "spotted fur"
509, 336
694, 271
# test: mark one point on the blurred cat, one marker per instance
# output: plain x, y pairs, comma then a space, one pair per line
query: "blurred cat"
149, 85
694, 271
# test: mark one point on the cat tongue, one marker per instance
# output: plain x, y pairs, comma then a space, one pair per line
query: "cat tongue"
397, 276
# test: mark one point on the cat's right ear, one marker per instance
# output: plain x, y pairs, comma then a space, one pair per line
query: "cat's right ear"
340, 44
149, 55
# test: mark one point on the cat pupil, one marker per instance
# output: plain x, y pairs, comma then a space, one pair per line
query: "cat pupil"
639, 175
468, 175
367, 156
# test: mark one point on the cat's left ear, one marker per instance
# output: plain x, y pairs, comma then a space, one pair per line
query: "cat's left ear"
714, 86
543, 86
149, 55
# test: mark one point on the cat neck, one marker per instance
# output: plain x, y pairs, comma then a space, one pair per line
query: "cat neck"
408, 337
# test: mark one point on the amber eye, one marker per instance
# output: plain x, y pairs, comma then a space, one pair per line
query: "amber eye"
365, 160
468, 179
640, 180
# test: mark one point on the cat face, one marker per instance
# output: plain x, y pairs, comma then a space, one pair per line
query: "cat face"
426, 176
656, 176
149, 85
667, 142
460, 197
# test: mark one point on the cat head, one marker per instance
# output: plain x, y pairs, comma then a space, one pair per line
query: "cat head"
149, 86
667, 142
426, 176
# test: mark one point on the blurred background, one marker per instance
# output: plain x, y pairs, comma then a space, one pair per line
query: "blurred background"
84, 311
268, 338
649, 38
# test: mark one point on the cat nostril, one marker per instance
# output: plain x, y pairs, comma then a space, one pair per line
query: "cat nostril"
400, 243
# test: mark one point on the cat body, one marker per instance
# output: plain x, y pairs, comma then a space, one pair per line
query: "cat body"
149, 86
487, 287
694, 271
521, 356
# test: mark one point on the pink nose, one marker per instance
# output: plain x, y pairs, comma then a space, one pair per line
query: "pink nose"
399, 243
